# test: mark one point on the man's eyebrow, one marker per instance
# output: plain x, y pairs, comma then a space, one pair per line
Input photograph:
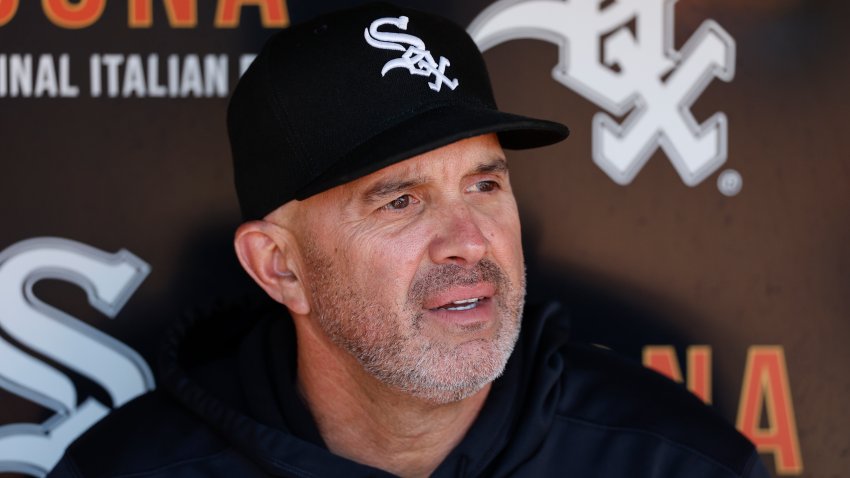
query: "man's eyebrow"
495, 165
389, 187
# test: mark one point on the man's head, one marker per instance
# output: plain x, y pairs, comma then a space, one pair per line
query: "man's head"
415, 270
391, 233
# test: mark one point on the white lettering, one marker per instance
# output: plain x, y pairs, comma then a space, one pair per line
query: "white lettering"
20, 75
190, 80
416, 58
215, 75
155, 88
2, 76
120, 76
66, 89
45, 77
112, 62
134, 78
173, 75
94, 76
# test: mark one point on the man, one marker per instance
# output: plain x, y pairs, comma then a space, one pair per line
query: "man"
368, 162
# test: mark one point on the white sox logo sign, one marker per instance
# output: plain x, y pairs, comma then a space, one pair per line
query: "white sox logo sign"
640, 75
108, 280
416, 58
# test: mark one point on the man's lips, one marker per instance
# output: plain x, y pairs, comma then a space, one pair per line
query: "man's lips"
460, 298
465, 304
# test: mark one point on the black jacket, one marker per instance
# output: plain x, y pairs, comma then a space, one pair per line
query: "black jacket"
226, 407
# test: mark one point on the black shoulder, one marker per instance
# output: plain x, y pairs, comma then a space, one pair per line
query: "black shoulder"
150, 432
604, 390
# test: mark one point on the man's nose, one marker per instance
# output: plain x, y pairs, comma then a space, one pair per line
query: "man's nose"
459, 239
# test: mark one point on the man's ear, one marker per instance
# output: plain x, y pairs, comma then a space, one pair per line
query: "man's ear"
268, 253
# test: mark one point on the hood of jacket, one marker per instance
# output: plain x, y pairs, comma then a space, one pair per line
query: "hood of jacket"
234, 367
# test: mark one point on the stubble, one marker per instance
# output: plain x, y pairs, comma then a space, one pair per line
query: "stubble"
391, 343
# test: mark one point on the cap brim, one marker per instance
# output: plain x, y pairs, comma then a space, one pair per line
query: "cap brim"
433, 129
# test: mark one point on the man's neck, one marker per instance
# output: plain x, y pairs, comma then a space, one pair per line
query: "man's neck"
368, 422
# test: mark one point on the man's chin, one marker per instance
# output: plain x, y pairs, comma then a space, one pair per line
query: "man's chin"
448, 395
447, 377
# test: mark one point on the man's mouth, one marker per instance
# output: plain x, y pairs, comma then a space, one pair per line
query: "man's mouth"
462, 304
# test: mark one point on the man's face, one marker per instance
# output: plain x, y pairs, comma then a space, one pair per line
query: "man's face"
417, 270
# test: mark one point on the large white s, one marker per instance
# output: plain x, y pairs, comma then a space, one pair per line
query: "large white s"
108, 280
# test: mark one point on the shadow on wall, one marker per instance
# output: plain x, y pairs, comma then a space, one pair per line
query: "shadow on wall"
604, 311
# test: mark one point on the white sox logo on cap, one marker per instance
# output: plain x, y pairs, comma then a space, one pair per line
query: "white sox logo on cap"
416, 58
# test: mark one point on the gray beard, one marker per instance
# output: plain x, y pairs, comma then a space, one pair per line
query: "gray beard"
401, 356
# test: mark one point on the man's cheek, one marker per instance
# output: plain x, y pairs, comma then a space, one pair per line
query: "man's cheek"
393, 264
503, 234
506, 246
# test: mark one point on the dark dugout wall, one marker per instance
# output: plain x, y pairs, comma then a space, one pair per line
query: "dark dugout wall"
697, 219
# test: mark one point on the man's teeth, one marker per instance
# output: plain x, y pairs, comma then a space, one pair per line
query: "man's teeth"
466, 301
464, 304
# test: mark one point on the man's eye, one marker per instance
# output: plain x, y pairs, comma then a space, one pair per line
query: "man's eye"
485, 186
400, 202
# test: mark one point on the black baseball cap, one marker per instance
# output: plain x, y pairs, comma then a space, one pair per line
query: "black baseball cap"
346, 94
